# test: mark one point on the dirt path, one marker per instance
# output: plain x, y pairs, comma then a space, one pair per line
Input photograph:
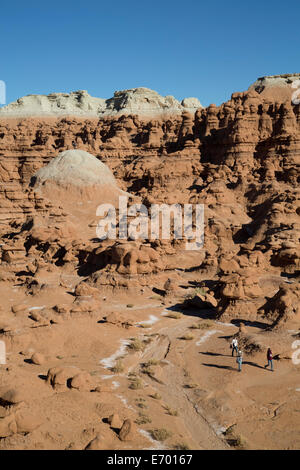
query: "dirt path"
171, 350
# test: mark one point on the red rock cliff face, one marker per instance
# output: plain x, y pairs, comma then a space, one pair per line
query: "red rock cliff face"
240, 159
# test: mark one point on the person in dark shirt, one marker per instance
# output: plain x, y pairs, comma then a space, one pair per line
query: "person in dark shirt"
269, 359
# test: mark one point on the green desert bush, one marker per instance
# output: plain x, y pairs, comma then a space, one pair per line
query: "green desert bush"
196, 291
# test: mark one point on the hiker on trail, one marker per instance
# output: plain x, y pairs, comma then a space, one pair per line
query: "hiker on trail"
234, 346
239, 360
269, 359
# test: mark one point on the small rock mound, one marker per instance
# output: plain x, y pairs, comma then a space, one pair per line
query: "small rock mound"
284, 306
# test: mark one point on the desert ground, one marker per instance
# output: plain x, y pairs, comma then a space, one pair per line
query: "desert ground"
123, 343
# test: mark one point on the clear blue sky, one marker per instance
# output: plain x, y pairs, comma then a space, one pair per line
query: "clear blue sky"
181, 48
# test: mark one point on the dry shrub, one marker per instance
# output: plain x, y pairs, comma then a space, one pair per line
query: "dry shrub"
187, 337
156, 396
175, 315
250, 344
118, 367
202, 325
181, 446
160, 434
191, 385
136, 383
170, 411
136, 345
143, 419
233, 438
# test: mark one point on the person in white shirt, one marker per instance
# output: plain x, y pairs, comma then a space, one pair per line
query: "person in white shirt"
234, 346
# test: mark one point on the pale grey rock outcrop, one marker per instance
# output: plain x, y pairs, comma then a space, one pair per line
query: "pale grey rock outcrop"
282, 81
141, 101
75, 167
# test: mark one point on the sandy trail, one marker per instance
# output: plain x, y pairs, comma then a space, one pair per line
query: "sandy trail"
171, 350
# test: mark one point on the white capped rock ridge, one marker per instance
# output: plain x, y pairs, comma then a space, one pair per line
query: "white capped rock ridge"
269, 81
141, 101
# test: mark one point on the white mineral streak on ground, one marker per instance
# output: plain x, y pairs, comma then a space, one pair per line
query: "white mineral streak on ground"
206, 336
152, 319
224, 324
37, 308
116, 384
219, 430
125, 402
109, 362
141, 307
165, 312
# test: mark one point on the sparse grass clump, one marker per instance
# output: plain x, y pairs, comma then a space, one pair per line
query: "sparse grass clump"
187, 337
118, 367
181, 446
233, 438
148, 340
196, 291
170, 411
155, 297
156, 396
160, 434
132, 374
136, 383
142, 405
175, 315
201, 326
147, 367
191, 385
137, 345
148, 370
152, 362
94, 372
143, 418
